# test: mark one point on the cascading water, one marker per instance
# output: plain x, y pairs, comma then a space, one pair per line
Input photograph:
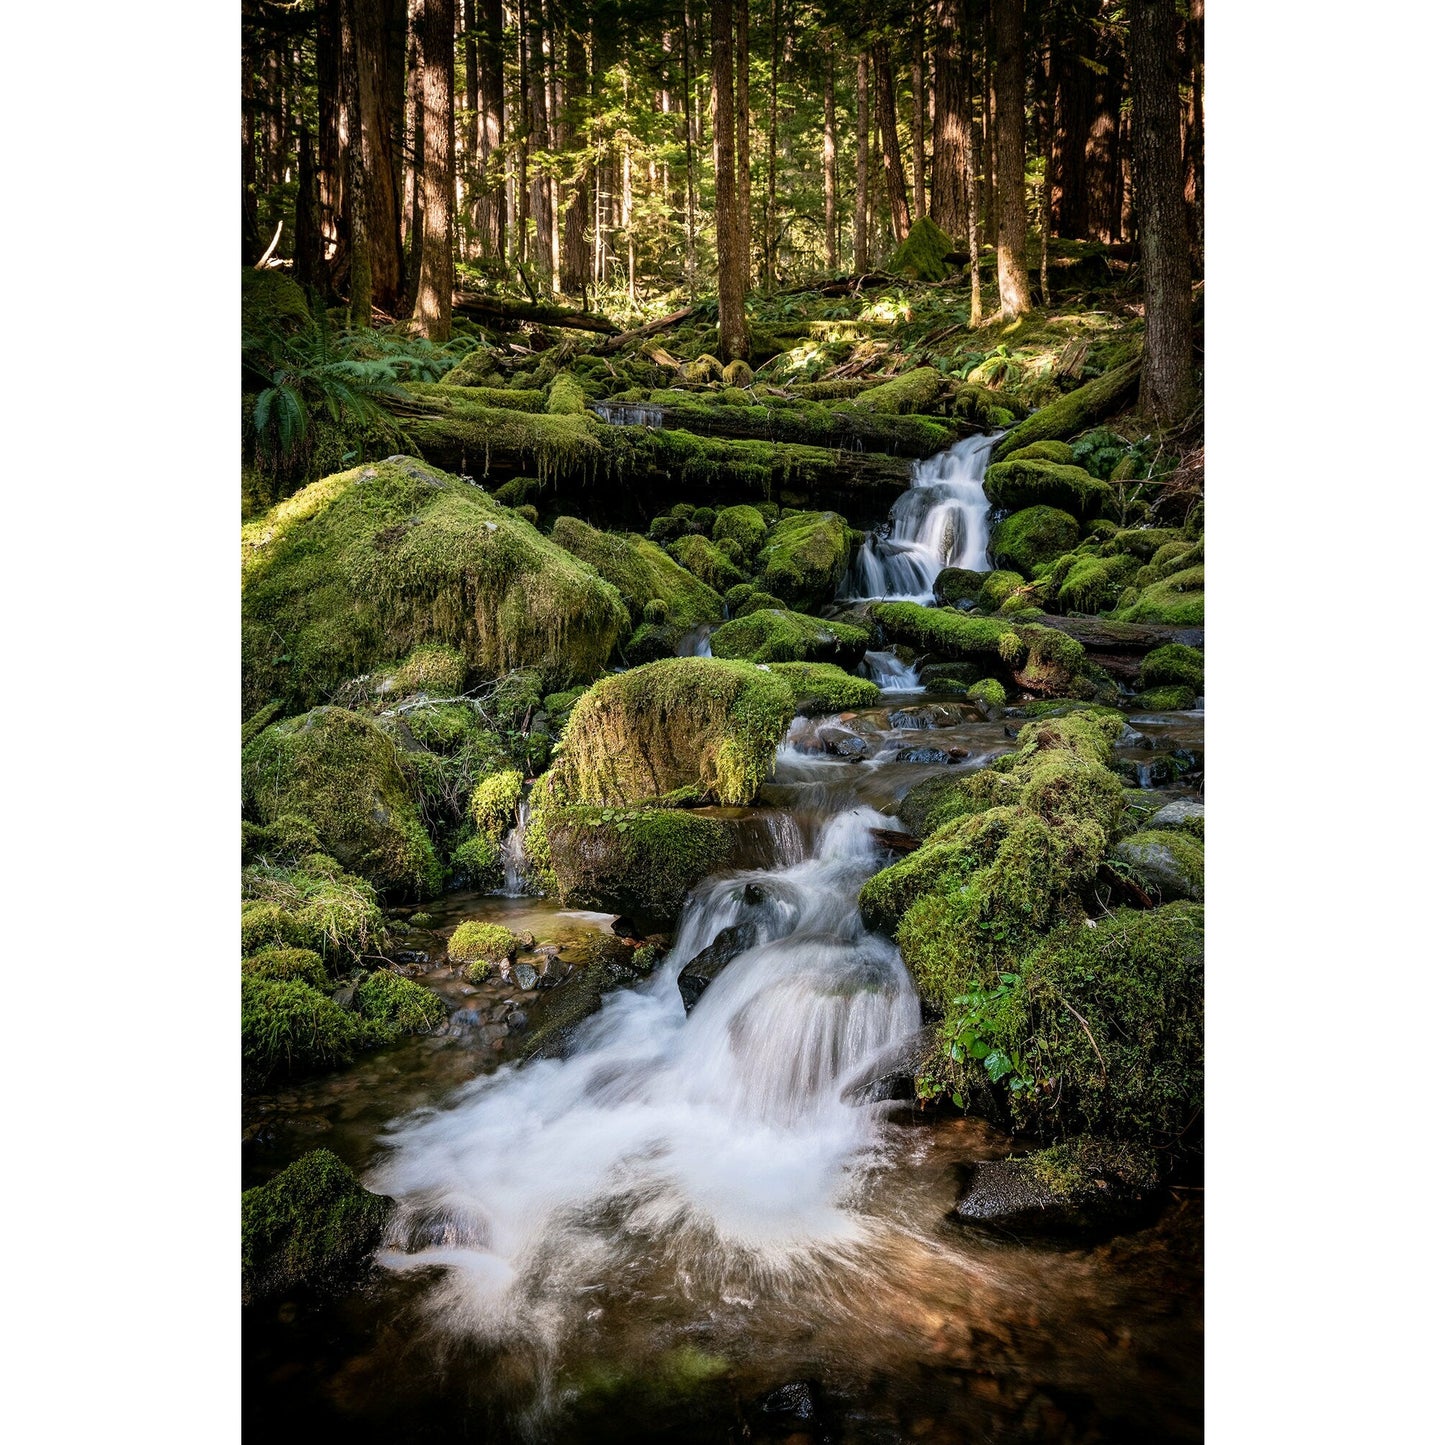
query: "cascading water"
891, 673
719, 1138
940, 521
514, 857
697, 642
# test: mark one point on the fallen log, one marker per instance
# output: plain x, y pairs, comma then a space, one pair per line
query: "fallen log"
488, 308
1075, 411
1096, 634
651, 329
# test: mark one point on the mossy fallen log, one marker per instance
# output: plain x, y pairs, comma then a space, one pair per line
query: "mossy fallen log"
1078, 410
487, 308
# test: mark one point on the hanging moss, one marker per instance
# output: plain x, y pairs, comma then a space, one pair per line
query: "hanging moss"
804, 558
769, 635
1030, 538
368, 564
1015, 485
682, 722
920, 255
313, 1225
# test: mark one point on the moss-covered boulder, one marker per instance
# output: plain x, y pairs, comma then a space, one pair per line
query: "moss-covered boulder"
314, 905
1173, 665
1177, 600
958, 584
1094, 584
394, 1005
345, 776
706, 562
1017, 485
290, 1028
804, 559
685, 723
820, 687
285, 965
768, 635
1027, 539
636, 861
743, 525
920, 255
272, 304
1060, 452
364, 566
1170, 864
312, 1225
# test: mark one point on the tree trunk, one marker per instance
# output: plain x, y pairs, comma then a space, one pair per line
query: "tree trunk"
1013, 220
310, 264
330, 178
1194, 136
358, 311
688, 114
830, 164
950, 124
860, 198
1166, 387
770, 219
490, 214
574, 226
744, 144
920, 116
1104, 199
541, 184
988, 118
732, 258
973, 191
380, 34
888, 133
411, 200
437, 176
251, 244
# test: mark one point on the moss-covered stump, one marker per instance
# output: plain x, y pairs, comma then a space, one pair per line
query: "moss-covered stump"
1074, 412
922, 254
643, 574
804, 559
313, 1225
641, 862
769, 635
1038, 659
364, 566
1028, 539
1017, 485
700, 724
345, 777
1177, 600
1170, 864
272, 304
1084, 1187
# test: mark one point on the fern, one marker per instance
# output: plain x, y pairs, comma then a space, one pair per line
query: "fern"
996, 369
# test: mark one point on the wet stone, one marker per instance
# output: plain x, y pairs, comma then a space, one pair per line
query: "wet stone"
525, 976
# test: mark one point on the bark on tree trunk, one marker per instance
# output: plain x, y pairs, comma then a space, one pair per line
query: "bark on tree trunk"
830, 165
574, 227
860, 198
770, 219
541, 184
732, 252
688, 112
251, 245
920, 116
888, 133
1013, 275
950, 124
491, 210
433, 314
411, 199
358, 313
1194, 144
381, 31
309, 263
744, 144
329, 174
1166, 387
973, 190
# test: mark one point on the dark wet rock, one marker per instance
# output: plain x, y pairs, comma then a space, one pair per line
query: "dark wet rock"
624, 927
463, 1019
1170, 864
525, 976
410, 956
890, 1075
794, 1400
517, 1023
345, 995
1084, 1188
754, 894
704, 966
892, 840
558, 1014
932, 755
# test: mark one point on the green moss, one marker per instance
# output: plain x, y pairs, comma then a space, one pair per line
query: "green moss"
1173, 664
289, 1028
493, 805
913, 392
989, 692
1074, 411
681, 722
285, 840
920, 255
738, 373
1016, 485
642, 573
705, 562
1060, 452
757, 601
1178, 698
768, 635
394, 1005
1168, 862
565, 397
819, 687
805, 558
473, 942
312, 905
1142, 542
931, 804
341, 773
285, 964
432, 667
1094, 584
743, 525
476, 862
1027, 539
958, 584
371, 563
313, 1225
999, 588
1177, 600
479, 368
271, 302
641, 862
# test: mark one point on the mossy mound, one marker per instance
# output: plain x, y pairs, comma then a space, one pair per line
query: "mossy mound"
1075, 411
1173, 665
920, 255
1177, 698
1177, 600
804, 558
1060, 452
743, 525
565, 396
640, 862
643, 574
478, 368
1017, 485
768, 635
312, 1225
910, 394
820, 687
290, 1028
1170, 864
369, 564
272, 304
706, 562
1004, 591
313, 905
343, 775
696, 723
432, 668
394, 1005
1094, 584
475, 942
958, 584
285, 964
1027, 539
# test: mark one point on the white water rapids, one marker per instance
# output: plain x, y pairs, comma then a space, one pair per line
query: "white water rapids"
719, 1138
940, 521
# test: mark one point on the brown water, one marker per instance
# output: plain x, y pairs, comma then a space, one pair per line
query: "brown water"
901, 1326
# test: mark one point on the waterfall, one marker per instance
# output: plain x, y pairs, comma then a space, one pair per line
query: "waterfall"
616, 413
891, 673
514, 858
696, 642
718, 1136
940, 521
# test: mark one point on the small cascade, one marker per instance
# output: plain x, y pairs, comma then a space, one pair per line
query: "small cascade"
617, 413
515, 868
940, 521
696, 642
891, 673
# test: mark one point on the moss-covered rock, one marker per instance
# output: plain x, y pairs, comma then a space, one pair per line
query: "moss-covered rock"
804, 559
394, 1005
1170, 864
312, 1225
767, 635
1141, 542
565, 396
1074, 411
1001, 592
1027, 539
1094, 584
1177, 600
368, 564
290, 1028
820, 687
911, 393
685, 722
742, 524
1177, 698
433, 668
1060, 452
921, 253
705, 561
643, 573
481, 943
285, 964
341, 773
958, 584
314, 905
1019, 485
636, 861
